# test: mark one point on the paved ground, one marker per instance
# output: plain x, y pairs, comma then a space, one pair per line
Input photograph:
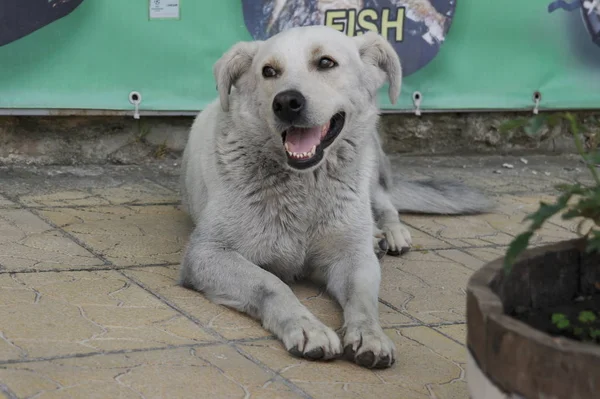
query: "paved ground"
89, 307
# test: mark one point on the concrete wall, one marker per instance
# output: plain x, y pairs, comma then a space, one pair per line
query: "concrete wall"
103, 139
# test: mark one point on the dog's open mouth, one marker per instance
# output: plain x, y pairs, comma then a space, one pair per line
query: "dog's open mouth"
304, 146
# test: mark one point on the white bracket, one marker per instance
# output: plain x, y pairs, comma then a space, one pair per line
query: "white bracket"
135, 98
417, 97
537, 97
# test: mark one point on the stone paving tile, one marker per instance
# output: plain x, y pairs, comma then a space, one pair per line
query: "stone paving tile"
5, 203
462, 257
198, 372
127, 236
140, 193
70, 313
75, 314
423, 241
526, 205
426, 362
473, 258
496, 228
233, 325
29, 243
516, 208
487, 254
460, 232
426, 286
229, 323
509, 181
458, 332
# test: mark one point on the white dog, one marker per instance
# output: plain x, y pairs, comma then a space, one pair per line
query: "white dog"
285, 178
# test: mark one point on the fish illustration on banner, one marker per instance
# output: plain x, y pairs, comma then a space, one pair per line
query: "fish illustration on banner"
590, 11
19, 18
416, 28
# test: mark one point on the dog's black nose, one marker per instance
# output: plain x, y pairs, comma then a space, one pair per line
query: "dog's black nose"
288, 105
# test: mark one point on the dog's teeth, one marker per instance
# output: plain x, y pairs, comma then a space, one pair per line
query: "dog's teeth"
287, 148
302, 155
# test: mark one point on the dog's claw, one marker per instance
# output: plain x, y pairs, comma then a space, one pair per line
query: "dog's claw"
369, 349
384, 362
295, 352
348, 353
366, 359
383, 248
315, 354
401, 252
310, 339
383, 245
393, 252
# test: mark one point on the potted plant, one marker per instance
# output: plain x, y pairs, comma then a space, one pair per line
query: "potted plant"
533, 316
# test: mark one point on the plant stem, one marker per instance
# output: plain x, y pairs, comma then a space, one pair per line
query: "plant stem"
580, 149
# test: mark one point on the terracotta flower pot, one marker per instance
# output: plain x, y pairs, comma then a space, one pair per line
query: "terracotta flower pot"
510, 359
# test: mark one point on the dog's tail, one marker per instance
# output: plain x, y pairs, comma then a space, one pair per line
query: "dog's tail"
438, 197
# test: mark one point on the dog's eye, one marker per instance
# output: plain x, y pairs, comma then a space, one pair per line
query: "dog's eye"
269, 72
327, 63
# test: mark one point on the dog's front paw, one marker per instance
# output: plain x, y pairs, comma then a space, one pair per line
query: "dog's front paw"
311, 339
380, 244
398, 238
368, 346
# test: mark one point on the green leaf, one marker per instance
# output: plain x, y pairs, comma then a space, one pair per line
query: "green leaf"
574, 189
574, 125
593, 242
593, 158
535, 124
578, 331
563, 324
546, 211
565, 187
586, 316
513, 124
560, 320
517, 245
571, 214
554, 119
594, 333
556, 317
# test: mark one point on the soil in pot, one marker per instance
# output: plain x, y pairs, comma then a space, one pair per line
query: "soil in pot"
578, 320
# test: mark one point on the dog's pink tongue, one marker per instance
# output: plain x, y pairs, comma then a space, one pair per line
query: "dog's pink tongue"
303, 139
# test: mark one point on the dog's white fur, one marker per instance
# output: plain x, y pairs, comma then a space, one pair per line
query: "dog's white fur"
261, 223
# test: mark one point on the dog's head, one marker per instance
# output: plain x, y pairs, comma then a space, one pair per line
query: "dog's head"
307, 86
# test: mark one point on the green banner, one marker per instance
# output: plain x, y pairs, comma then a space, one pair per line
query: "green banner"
458, 54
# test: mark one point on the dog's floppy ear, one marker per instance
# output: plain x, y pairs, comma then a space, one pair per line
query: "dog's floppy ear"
231, 66
375, 51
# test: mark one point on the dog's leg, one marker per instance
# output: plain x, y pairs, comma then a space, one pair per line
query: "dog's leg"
397, 235
384, 212
227, 278
354, 281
